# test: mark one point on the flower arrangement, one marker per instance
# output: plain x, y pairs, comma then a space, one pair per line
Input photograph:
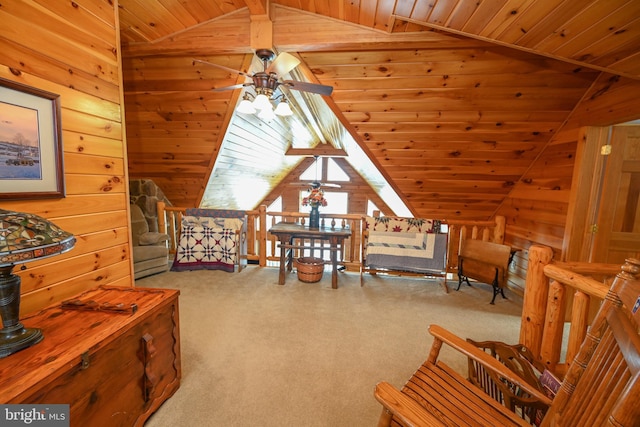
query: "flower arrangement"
315, 198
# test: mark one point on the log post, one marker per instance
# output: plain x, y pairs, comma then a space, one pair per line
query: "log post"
498, 231
453, 247
474, 232
463, 235
579, 324
535, 298
162, 220
262, 243
553, 326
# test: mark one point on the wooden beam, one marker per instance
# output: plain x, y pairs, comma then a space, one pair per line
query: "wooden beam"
258, 7
319, 150
234, 33
261, 32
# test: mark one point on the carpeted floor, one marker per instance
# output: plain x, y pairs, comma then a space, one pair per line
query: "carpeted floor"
258, 354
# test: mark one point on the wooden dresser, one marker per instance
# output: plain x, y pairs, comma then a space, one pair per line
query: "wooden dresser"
114, 368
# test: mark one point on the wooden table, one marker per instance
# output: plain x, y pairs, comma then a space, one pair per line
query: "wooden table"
287, 232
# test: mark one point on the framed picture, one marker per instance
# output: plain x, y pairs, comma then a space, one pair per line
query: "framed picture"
30, 143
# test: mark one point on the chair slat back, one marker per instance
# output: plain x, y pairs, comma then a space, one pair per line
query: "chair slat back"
601, 386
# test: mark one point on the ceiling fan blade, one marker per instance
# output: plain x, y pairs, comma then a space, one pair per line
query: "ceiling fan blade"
308, 87
313, 184
283, 63
222, 67
238, 86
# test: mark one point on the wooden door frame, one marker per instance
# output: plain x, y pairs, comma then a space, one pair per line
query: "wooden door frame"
586, 187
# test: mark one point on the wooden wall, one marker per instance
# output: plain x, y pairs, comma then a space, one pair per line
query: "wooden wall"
73, 51
541, 205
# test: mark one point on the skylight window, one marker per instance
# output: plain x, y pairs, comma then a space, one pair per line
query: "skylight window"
335, 172
310, 173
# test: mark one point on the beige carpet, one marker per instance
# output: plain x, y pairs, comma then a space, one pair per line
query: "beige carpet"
258, 354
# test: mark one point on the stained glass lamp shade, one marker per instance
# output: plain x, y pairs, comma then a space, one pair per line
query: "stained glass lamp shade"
24, 237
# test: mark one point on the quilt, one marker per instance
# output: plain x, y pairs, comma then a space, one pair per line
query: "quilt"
201, 247
402, 225
412, 252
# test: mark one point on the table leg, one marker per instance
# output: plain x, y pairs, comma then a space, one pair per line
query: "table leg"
281, 276
334, 262
290, 255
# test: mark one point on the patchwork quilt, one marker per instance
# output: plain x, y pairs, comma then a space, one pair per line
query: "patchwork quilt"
402, 225
413, 252
206, 244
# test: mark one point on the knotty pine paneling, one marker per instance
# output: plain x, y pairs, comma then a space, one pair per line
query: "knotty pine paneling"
456, 123
454, 128
598, 33
174, 120
43, 275
611, 100
70, 48
536, 210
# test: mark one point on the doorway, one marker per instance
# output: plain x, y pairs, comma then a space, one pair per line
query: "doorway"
617, 231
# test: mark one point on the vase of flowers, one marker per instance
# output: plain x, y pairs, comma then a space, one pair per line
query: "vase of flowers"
315, 199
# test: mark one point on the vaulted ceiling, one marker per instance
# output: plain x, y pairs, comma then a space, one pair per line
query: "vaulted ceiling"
451, 100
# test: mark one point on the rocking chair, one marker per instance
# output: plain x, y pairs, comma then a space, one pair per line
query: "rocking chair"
600, 388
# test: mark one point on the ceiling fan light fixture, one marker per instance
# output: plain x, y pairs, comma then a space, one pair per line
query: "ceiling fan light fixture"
246, 106
267, 114
283, 109
262, 102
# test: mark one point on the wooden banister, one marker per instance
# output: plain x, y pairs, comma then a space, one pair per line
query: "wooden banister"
548, 287
262, 248
544, 305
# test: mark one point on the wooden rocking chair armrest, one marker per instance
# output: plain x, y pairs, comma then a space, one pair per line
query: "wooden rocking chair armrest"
403, 407
486, 360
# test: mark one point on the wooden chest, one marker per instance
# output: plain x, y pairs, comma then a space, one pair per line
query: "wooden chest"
112, 368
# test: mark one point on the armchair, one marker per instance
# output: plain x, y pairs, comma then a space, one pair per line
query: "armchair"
150, 251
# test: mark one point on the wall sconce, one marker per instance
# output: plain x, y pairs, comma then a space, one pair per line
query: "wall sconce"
262, 104
24, 237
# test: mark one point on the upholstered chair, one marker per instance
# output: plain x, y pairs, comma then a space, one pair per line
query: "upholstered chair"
150, 251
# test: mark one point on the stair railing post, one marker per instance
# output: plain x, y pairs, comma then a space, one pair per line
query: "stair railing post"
534, 304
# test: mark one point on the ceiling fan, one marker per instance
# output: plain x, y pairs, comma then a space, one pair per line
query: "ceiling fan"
315, 184
268, 80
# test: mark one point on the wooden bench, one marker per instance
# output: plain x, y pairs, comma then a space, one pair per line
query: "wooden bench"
485, 262
601, 386
404, 247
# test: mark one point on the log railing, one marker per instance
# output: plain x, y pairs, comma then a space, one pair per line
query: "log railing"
558, 298
557, 305
262, 247
268, 252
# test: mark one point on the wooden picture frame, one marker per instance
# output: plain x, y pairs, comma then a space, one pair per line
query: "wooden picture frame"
31, 156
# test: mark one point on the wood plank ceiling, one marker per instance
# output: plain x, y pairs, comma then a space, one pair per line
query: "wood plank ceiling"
452, 99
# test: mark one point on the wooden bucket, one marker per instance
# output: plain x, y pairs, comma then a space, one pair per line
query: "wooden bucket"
310, 269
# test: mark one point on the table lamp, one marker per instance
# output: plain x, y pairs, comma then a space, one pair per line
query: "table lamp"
24, 237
